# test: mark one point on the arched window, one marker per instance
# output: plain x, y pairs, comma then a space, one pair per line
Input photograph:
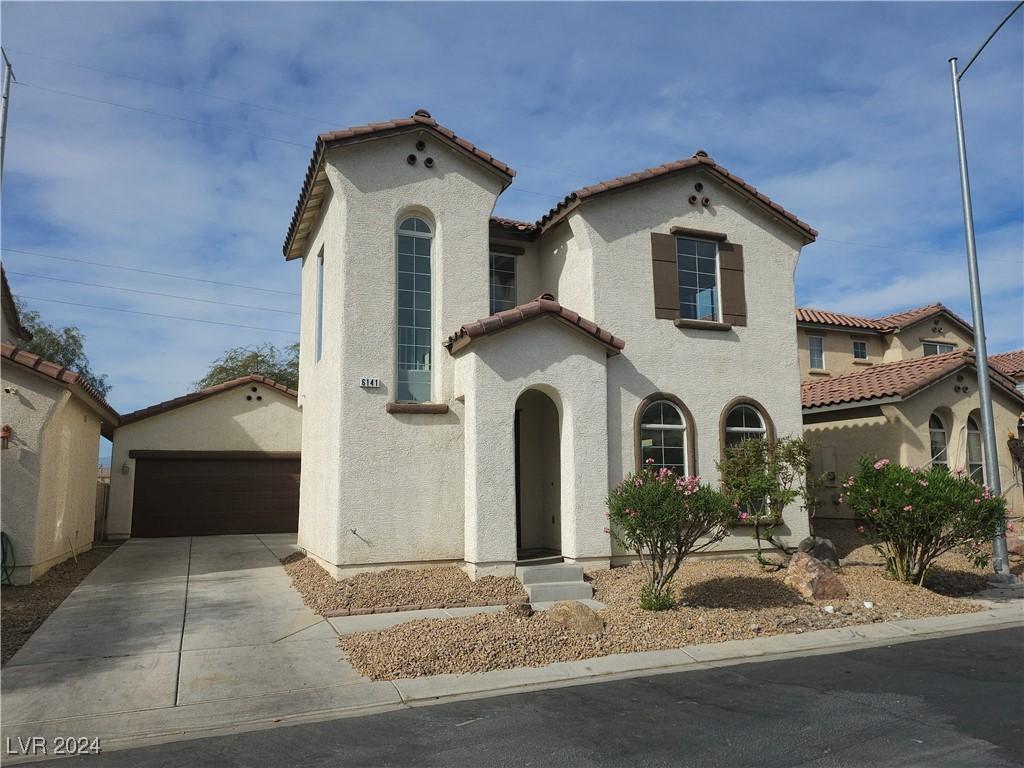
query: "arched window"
663, 434
741, 423
975, 460
939, 443
414, 306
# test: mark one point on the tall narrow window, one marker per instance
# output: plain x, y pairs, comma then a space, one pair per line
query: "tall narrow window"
697, 263
742, 423
414, 308
939, 443
319, 344
503, 282
663, 437
975, 460
816, 349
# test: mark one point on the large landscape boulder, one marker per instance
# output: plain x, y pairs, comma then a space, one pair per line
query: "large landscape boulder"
820, 549
813, 579
575, 616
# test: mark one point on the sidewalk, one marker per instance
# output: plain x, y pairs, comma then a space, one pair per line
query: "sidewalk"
244, 713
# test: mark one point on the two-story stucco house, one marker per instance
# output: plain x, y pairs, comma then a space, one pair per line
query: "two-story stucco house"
471, 386
904, 387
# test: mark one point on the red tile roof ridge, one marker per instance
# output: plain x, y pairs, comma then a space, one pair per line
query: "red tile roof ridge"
58, 373
192, 397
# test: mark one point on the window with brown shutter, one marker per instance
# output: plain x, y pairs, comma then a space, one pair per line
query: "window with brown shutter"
729, 287
733, 293
666, 279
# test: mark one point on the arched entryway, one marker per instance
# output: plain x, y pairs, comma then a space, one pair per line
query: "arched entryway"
538, 477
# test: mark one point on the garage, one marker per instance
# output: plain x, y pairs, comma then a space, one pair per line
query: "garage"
203, 494
221, 460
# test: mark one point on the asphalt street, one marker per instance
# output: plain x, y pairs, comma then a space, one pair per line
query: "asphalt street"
956, 701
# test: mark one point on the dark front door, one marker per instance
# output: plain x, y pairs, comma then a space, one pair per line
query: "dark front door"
215, 495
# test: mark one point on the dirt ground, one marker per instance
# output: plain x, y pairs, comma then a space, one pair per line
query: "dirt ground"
23, 609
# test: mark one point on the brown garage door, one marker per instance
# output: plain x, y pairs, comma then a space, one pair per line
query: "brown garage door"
198, 494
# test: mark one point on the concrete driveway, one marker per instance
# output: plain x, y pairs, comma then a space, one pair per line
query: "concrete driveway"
181, 634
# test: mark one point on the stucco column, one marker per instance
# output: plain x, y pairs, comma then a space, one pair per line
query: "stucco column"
585, 477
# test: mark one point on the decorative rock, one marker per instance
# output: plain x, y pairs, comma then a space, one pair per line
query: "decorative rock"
813, 579
820, 549
523, 610
575, 616
868, 604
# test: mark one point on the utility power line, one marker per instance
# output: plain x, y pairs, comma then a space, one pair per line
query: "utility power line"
154, 314
153, 293
147, 271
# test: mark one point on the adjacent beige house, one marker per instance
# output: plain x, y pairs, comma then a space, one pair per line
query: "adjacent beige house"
1010, 364
902, 387
221, 460
471, 387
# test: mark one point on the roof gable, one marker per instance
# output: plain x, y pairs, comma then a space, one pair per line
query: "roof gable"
195, 397
893, 323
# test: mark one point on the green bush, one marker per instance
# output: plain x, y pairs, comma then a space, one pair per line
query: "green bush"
912, 516
661, 517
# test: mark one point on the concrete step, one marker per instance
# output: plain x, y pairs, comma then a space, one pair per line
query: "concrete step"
554, 591
542, 574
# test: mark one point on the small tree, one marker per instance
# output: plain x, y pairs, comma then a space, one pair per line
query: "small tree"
661, 517
762, 477
912, 516
63, 346
281, 365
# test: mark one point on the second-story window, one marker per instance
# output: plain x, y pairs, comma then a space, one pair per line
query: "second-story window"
503, 282
860, 350
414, 307
937, 348
816, 352
319, 340
698, 279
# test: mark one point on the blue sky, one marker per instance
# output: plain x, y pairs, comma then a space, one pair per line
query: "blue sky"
840, 112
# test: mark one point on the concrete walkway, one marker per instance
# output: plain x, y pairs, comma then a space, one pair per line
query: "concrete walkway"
175, 638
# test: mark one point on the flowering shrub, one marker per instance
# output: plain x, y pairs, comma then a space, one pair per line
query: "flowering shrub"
661, 517
912, 516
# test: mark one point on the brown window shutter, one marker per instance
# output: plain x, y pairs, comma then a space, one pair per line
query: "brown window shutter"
666, 276
734, 298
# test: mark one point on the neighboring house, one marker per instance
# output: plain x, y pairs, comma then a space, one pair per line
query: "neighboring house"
11, 329
1010, 364
902, 387
430, 436
51, 435
221, 460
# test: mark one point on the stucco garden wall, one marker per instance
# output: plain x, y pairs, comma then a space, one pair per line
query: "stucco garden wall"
705, 369
225, 421
49, 473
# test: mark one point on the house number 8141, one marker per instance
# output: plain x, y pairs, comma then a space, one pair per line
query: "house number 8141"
369, 383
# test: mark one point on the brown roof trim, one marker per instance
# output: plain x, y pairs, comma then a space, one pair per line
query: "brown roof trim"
513, 229
420, 408
10, 308
140, 453
898, 380
194, 397
69, 379
308, 205
700, 159
1008, 363
544, 305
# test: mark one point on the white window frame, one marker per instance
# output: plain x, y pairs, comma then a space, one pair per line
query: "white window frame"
428, 235
810, 352
937, 348
490, 280
318, 346
942, 457
979, 465
761, 431
863, 343
680, 427
718, 277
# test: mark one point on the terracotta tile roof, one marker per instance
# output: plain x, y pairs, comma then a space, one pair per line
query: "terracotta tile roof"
699, 159
824, 317
202, 394
1009, 363
900, 380
314, 185
544, 305
910, 316
513, 225
10, 309
73, 381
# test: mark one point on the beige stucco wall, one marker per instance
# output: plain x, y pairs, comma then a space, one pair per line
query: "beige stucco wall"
391, 484
899, 431
909, 342
705, 369
225, 421
838, 351
49, 472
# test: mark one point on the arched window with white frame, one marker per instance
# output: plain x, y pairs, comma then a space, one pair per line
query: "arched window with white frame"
415, 238
743, 422
975, 455
662, 436
939, 441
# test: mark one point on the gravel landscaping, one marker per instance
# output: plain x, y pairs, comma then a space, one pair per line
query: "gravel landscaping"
434, 587
717, 600
25, 608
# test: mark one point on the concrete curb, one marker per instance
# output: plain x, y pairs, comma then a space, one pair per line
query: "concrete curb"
342, 612
140, 728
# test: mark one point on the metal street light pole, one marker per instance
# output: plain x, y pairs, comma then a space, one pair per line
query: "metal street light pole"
8, 74
1000, 560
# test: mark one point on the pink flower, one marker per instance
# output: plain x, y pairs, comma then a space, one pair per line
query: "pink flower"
908, 508
977, 501
1011, 527
914, 470
881, 464
875, 510
744, 515
648, 461
923, 483
860, 529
